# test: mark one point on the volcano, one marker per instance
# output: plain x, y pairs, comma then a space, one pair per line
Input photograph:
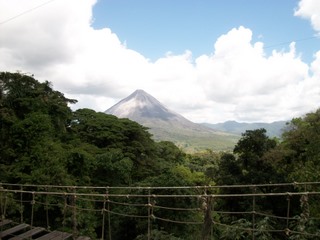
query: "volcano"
167, 125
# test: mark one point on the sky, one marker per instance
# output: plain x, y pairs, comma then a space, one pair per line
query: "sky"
208, 60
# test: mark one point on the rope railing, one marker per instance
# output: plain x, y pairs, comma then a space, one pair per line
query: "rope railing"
73, 205
294, 184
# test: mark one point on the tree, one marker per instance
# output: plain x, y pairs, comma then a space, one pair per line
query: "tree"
250, 150
229, 170
33, 120
302, 141
123, 146
21, 94
206, 162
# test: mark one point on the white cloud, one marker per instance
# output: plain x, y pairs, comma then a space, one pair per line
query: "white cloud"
310, 9
237, 81
46, 35
239, 73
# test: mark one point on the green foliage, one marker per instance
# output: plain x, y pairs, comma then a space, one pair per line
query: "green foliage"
32, 119
237, 231
170, 153
112, 168
125, 150
43, 142
254, 142
302, 142
229, 170
80, 162
241, 229
22, 94
264, 228
251, 149
158, 235
206, 162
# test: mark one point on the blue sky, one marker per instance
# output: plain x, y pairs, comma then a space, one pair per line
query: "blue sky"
154, 28
209, 60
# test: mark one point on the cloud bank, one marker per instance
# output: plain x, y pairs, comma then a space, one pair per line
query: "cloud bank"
237, 81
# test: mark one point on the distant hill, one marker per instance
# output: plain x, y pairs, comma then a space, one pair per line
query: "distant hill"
166, 125
274, 129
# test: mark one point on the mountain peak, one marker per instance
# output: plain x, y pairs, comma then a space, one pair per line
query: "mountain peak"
139, 91
142, 97
139, 105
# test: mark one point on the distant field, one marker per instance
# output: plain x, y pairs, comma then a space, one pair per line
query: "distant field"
192, 141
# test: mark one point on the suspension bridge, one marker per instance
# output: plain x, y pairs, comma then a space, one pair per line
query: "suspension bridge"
86, 212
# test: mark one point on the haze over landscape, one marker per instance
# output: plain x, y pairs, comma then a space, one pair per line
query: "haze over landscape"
210, 61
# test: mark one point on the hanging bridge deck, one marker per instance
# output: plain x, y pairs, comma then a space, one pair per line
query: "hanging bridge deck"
15, 231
